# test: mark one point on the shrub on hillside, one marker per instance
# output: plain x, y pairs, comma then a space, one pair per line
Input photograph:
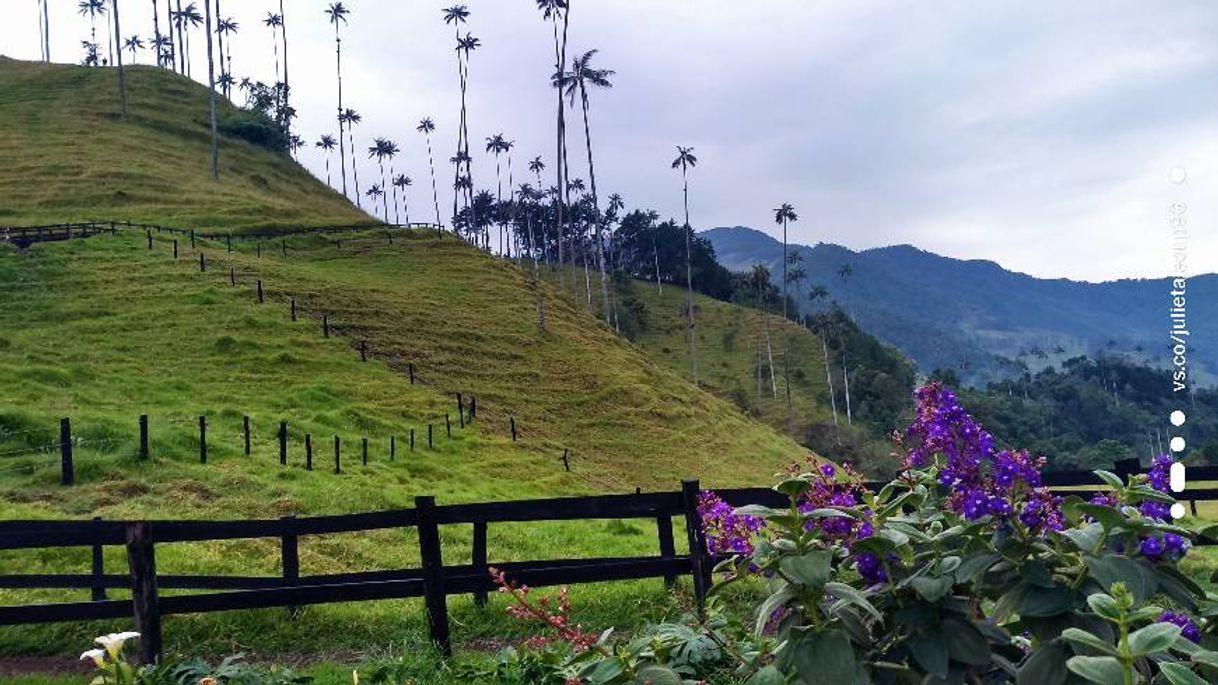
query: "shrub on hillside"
254, 127
964, 569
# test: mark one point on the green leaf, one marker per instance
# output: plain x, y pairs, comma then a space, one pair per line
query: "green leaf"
973, 567
1046, 666
894, 536
811, 570
929, 649
1086, 538
1104, 670
793, 487
1154, 638
759, 511
827, 513
772, 603
657, 675
767, 676
1106, 516
825, 657
843, 591
1178, 674
1138, 576
965, 643
1205, 656
932, 589
1082, 637
1105, 606
1040, 602
1111, 479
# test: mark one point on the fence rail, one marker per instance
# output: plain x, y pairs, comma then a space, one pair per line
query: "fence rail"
433, 581
24, 236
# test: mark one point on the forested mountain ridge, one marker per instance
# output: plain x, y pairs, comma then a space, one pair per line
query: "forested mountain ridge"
983, 321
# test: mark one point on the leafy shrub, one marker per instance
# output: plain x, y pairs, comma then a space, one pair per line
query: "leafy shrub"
254, 127
964, 569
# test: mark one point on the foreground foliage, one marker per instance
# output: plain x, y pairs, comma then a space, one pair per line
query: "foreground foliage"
965, 569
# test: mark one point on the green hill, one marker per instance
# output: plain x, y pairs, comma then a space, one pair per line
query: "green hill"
104, 330
69, 156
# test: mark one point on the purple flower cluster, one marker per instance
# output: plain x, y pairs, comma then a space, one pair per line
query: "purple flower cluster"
828, 491
1159, 477
1189, 630
870, 569
726, 532
1003, 485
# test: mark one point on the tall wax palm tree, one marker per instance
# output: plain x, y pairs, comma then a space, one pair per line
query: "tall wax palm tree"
226, 82
175, 19
351, 117
458, 15
122, 73
466, 46
273, 22
537, 166
686, 159
513, 242
287, 88
374, 192
392, 151
186, 19
497, 144
92, 8
783, 216
133, 44
582, 77
157, 44
402, 181
211, 86
338, 15
553, 10
225, 29
426, 127
45, 26
326, 143
380, 150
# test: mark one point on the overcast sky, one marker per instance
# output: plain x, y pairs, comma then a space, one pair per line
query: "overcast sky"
1035, 133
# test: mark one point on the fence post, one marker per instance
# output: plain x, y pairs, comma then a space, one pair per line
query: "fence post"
410, 368
460, 410
99, 571
325, 325
67, 474
364, 447
260, 249
448, 425
308, 452
228, 239
232, 277
149, 236
192, 238
338, 458
202, 264
202, 439
429, 443
363, 350
143, 437
284, 244
512, 420
566, 461
411, 439
293, 308
283, 443
245, 430
141, 560
290, 556
479, 559
433, 574
1126, 467
393, 447
260, 296
175, 248
473, 408
699, 557
668, 548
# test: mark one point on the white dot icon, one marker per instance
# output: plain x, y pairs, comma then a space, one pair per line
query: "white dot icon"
1177, 511
1177, 175
1178, 418
1177, 444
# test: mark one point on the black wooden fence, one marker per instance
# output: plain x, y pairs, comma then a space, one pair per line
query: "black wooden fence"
433, 581
24, 236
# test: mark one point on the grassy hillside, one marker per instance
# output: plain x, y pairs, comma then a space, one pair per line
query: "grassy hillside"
68, 156
104, 330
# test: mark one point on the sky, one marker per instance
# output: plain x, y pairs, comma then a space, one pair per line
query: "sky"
1039, 134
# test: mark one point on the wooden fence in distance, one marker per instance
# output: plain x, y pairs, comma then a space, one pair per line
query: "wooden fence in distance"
433, 581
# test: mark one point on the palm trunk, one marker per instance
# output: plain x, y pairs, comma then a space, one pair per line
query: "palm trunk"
689, 279
560, 60
354, 167
219, 38
156, 31
786, 337
769, 350
656, 254
46, 27
499, 201
122, 74
397, 217
596, 209
460, 129
328, 170
435, 193
211, 87
385, 195
342, 150
846, 380
829, 379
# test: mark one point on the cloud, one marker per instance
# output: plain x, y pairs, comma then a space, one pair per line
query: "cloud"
1037, 134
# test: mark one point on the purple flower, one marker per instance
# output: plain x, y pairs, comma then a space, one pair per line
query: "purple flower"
870, 569
1189, 630
1152, 548
726, 532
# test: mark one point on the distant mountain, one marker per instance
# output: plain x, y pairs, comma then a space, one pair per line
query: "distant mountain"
981, 320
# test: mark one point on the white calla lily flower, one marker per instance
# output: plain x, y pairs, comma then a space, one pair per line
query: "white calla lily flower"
113, 643
97, 655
